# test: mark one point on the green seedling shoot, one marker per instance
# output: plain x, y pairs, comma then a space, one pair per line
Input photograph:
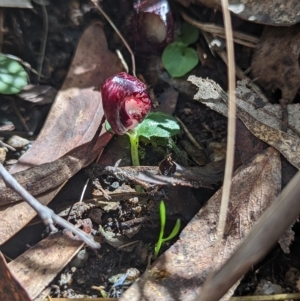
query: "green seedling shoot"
177, 58
156, 124
175, 231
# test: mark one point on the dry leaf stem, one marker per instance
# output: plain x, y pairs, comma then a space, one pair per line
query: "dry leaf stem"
46, 214
231, 122
230, 139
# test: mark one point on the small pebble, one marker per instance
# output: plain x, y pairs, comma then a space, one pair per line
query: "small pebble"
17, 141
11, 162
27, 146
268, 288
80, 259
217, 150
65, 279
187, 111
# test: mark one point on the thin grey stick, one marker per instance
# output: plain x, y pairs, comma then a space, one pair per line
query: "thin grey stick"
46, 214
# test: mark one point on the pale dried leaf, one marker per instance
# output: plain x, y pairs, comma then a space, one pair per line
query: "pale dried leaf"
38, 266
288, 145
39, 95
267, 113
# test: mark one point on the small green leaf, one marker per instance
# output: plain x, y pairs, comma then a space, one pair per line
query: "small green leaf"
158, 124
13, 77
163, 216
188, 34
174, 232
178, 59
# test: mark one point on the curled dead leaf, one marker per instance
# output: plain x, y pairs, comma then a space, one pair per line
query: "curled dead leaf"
212, 95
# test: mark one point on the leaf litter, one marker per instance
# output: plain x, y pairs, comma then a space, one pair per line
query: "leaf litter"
68, 130
187, 263
216, 98
256, 115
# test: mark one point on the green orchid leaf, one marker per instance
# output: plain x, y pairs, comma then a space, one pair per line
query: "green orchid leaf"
158, 124
174, 232
178, 59
13, 77
188, 34
163, 216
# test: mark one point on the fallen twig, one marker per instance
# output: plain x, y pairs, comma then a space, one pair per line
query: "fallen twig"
231, 128
46, 214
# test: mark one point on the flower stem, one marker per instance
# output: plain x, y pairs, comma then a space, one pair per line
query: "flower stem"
134, 143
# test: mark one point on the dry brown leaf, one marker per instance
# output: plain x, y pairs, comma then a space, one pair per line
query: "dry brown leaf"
180, 272
275, 61
247, 145
73, 120
276, 12
10, 288
269, 114
212, 95
77, 111
40, 95
38, 266
39, 179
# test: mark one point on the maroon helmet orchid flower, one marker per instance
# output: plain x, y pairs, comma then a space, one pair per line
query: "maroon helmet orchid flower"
125, 102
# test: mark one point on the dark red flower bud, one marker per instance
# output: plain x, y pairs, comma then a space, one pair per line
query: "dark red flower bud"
151, 27
125, 102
